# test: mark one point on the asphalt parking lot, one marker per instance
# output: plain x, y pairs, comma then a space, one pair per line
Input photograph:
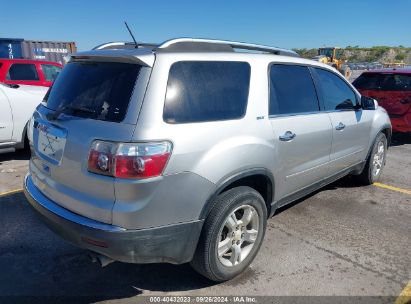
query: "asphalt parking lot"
344, 240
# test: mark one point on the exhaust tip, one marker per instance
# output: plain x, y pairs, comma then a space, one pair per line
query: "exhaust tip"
102, 260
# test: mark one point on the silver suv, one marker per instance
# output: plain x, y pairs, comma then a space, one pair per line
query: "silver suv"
180, 152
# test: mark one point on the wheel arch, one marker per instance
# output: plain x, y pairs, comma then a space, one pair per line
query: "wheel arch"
24, 138
260, 179
388, 133
386, 130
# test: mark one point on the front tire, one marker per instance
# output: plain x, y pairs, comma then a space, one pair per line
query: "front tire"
232, 234
375, 162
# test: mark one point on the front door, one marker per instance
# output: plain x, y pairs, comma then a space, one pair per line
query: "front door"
351, 126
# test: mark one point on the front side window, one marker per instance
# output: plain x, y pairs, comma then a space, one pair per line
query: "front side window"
292, 90
50, 71
336, 93
199, 91
22, 71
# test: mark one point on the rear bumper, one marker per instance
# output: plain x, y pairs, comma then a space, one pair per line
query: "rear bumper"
401, 123
171, 244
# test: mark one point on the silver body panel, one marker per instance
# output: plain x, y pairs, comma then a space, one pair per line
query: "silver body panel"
204, 154
301, 164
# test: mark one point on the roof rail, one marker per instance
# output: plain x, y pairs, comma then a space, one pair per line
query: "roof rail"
196, 44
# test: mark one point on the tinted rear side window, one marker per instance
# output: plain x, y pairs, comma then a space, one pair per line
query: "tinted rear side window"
383, 82
22, 71
199, 91
336, 93
292, 90
104, 88
50, 71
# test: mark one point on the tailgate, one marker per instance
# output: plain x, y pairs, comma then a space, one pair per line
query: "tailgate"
59, 168
90, 100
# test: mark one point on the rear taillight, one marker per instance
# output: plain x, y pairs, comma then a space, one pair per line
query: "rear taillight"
129, 160
101, 156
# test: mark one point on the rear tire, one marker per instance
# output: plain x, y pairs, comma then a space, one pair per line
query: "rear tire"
375, 162
232, 234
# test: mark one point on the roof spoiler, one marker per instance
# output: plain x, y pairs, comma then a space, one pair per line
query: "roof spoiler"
144, 57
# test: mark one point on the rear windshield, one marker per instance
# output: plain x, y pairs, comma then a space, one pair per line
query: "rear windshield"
103, 88
383, 82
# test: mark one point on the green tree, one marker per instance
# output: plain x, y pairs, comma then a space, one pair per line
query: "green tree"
400, 57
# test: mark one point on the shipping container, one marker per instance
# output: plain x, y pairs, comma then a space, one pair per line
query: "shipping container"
48, 50
10, 48
32, 49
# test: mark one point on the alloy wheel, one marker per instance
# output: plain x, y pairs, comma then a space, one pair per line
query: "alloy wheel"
238, 235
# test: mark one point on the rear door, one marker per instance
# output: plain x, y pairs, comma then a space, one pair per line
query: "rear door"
6, 118
302, 133
90, 100
351, 126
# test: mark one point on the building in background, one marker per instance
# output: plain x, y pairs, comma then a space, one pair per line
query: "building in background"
15, 48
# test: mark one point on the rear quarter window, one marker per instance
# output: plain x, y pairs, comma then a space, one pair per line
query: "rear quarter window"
50, 71
200, 91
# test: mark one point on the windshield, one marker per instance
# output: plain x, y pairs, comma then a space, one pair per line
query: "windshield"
383, 82
326, 52
104, 88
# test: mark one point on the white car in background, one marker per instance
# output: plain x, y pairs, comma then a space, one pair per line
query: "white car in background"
17, 104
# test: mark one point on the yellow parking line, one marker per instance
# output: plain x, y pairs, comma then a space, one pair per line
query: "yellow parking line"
392, 188
405, 295
11, 192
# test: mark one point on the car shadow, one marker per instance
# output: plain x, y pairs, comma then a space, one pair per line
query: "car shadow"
399, 139
23, 154
36, 262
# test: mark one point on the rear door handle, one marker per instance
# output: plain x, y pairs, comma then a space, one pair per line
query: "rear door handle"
340, 126
287, 136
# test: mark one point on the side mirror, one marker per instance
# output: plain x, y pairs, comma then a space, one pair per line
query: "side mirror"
368, 103
12, 86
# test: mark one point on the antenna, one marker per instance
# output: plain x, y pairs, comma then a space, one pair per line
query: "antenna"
131, 34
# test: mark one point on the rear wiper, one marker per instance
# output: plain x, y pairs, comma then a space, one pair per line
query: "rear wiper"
72, 108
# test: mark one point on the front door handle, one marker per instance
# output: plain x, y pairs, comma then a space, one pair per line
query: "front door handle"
340, 126
287, 136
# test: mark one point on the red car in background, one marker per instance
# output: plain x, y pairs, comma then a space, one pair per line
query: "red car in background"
29, 72
392, 89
